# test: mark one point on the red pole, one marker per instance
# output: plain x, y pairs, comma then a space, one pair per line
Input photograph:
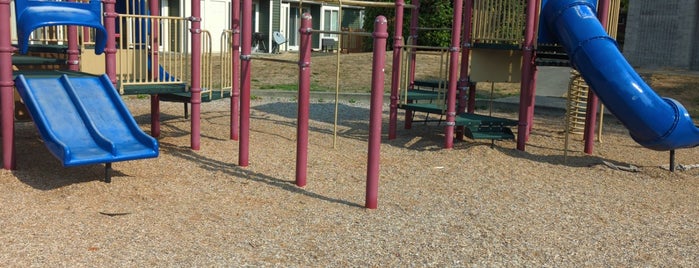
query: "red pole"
6, 89
532, 82
414, 15
395, 72
196, 74
464, 82
246, 42
453, 74
110, 49
73, 51
304, 99
235, 71
154, 69
592, 100
375, 112
526, 97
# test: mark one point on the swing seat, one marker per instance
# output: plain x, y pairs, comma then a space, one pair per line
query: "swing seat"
34, 14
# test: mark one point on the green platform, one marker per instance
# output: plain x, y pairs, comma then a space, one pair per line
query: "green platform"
186, 97
421, 94
150, 89
22, 60
476, 126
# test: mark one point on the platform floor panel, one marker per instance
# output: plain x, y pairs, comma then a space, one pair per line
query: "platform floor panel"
150, 89
187, 96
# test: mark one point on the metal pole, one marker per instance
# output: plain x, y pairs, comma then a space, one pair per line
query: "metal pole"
304, 99
464, 81
73, 50
235, 70
155, 69
672, 160
453, 75
110, 51
6, 89
526, 98
592, 100
375, 112
414, 14
196, 74
395, 72
246, 43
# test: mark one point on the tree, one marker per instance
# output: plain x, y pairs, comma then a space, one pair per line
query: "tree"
433, 14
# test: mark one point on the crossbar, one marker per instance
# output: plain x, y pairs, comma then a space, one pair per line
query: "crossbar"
369, 3
275, 60
342, 32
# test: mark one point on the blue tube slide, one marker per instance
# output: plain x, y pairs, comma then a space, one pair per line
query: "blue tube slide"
654, 122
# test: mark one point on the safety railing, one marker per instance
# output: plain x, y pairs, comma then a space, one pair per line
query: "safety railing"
442, 75
226, 59
498, 21
137, 47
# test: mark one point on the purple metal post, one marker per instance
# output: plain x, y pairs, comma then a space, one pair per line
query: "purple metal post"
235, 70
532, 82
304, 99
592, 100
453, 74
414, 16
526, 97
110, 51
246, 42
464, 81
471, 107
73, 52
154, 70
196, 74
6, 89
395, 72
411, 67
375, 112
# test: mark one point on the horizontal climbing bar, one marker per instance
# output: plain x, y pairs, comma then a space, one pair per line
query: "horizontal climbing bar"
342, 32
433, 29
426, 47
369, 3
275, 60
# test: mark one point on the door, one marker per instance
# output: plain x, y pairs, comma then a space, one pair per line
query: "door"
284, 25
292, 27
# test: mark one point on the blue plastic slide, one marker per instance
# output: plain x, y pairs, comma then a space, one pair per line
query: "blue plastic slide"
83, 120
654, 122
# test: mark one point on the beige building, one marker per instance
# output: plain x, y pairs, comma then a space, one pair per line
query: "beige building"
663, 34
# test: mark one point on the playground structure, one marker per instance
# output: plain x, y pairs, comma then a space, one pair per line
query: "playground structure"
146, 63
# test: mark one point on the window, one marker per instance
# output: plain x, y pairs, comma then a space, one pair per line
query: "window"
330, 21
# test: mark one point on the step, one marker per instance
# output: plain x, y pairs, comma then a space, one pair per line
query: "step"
187, 96
477, 120
504, 134
149, 89
421, 94
431, 83
423, 107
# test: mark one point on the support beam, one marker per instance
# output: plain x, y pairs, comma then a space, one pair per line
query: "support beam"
6, 89
235, 70
195, 20
376, 111
453, 74
592, 100
246, 47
